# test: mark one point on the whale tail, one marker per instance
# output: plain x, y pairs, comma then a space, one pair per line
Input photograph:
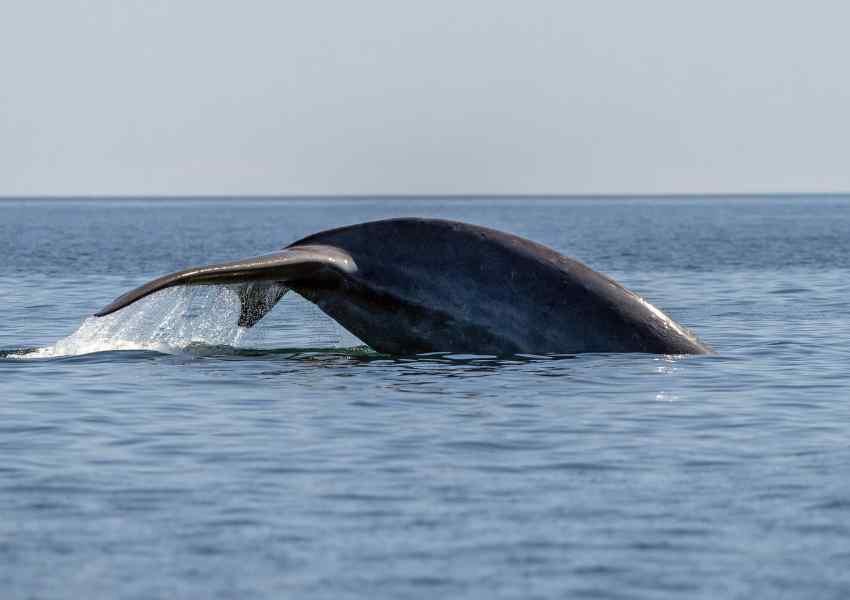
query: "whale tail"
260, 280
427, 285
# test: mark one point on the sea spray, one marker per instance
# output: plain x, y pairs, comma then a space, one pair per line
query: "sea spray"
176, 318
168, 322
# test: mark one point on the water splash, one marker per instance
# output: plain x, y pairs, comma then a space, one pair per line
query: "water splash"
181, 319
168, 322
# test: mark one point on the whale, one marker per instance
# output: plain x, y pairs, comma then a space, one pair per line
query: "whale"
408, 286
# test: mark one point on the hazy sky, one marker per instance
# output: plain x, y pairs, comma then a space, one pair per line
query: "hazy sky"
423, 97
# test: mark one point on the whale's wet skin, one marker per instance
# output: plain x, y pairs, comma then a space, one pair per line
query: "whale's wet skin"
165, 451
415, 285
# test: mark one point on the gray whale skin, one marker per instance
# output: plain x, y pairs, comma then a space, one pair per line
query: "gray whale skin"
409, 286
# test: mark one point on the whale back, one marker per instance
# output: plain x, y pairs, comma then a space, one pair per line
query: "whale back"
433, 285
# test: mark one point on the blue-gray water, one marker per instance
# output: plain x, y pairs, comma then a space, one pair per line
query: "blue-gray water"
213, 464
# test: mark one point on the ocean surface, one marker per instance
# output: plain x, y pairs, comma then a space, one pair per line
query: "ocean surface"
164, 453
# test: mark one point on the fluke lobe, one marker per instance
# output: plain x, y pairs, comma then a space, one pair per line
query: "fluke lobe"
408, 286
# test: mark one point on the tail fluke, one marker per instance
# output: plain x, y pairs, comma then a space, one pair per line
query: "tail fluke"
265, 277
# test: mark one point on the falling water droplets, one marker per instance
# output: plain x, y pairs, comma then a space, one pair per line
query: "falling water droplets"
167, 321
174, 319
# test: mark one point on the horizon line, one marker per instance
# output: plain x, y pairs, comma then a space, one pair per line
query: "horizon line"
385, 196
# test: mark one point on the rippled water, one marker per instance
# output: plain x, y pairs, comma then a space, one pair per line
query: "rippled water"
163, 453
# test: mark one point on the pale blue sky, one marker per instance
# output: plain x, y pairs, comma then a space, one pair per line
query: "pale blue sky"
436, 97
